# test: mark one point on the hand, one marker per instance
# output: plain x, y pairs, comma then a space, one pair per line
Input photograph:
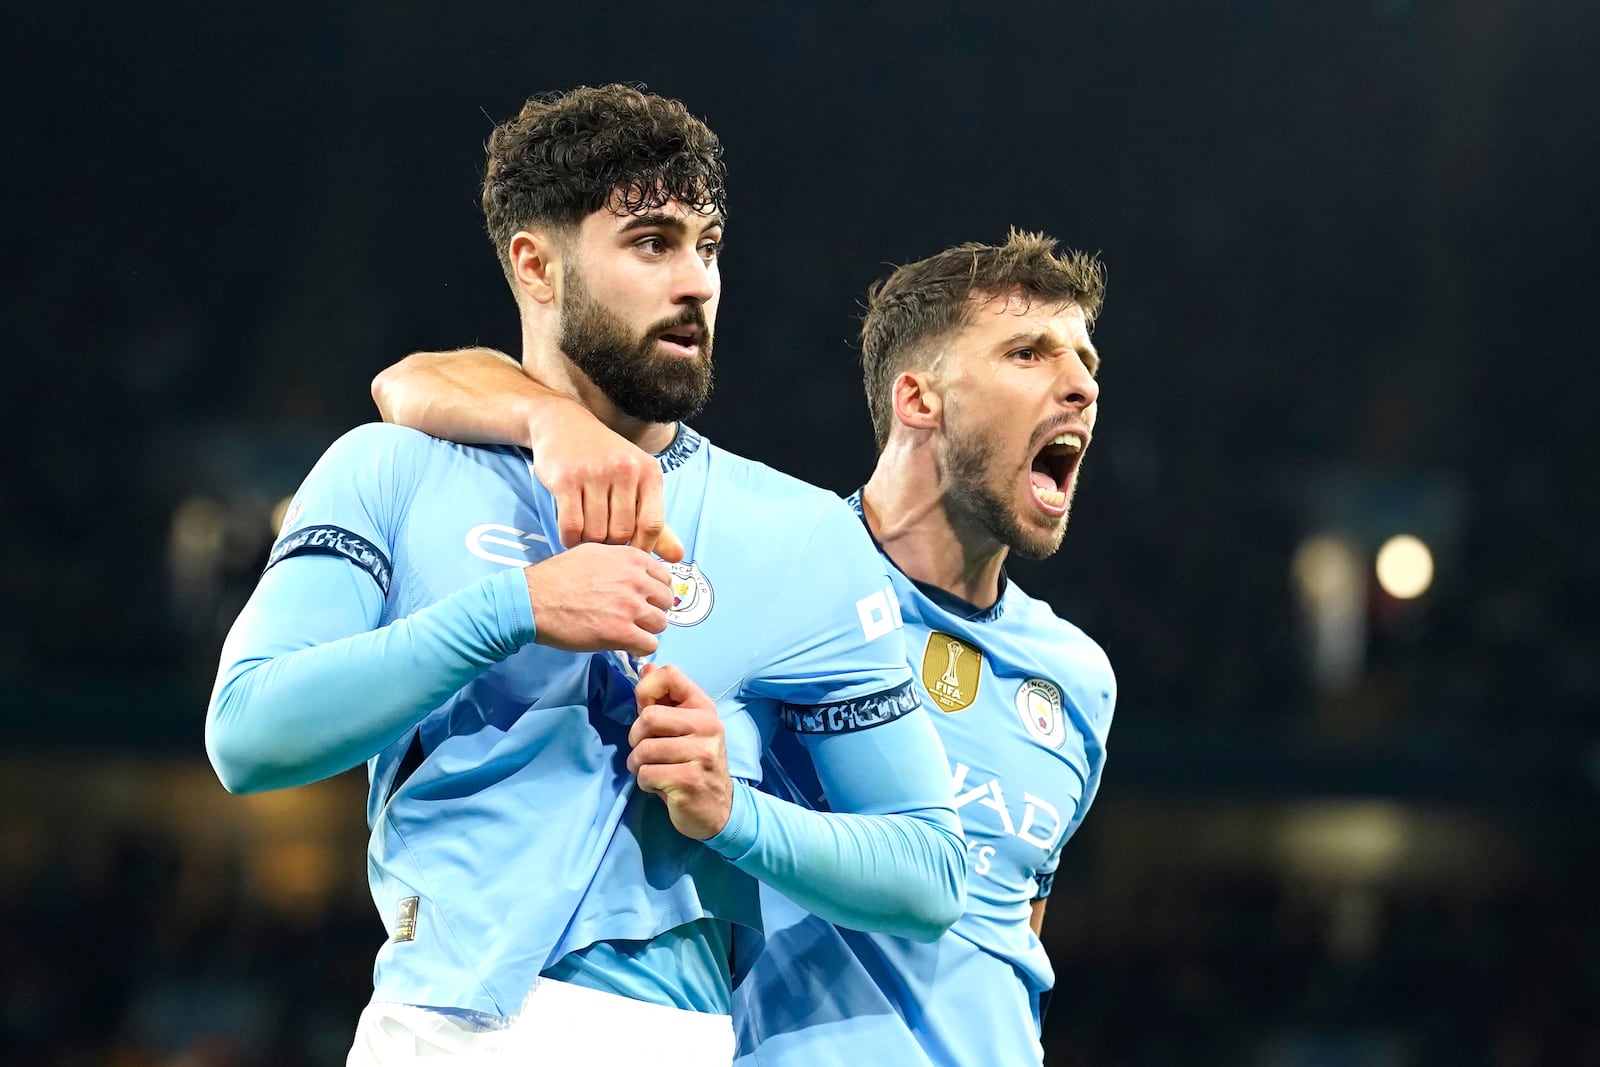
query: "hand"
606, 489
595, 598
679, 752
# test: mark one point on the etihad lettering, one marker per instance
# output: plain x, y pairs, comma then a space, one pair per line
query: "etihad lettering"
1040, 824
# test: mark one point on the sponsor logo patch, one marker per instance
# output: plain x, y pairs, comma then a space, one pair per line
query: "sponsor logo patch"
486, 541
951, 671
691, 595
879, 613
1039, 704
325, 540
844, 716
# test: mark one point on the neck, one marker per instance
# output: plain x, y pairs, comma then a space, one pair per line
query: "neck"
545, 363
909, 512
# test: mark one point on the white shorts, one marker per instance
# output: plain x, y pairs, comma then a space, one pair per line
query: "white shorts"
560, 1024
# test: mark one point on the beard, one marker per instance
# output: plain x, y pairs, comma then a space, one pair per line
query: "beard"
642, 382
969, 470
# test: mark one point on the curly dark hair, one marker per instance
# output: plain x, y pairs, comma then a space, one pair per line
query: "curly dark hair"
925, 301
566, 154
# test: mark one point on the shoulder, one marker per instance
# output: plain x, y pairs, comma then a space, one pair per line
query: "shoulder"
750, 476
783, 499
1081, 656
377, 444
402, 450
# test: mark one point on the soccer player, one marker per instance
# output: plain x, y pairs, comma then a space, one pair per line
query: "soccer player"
416, 615
980, 379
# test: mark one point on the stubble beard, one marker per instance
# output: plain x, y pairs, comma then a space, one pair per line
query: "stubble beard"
641, 382
969, 472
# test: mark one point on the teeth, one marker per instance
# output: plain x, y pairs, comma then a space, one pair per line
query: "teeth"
1054, 498
1068, 440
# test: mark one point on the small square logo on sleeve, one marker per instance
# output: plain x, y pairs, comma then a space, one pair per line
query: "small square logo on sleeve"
405, 920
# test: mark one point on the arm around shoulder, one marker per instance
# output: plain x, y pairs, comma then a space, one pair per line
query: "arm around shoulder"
471, 395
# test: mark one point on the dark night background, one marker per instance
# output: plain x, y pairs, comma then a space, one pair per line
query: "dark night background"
1351, 249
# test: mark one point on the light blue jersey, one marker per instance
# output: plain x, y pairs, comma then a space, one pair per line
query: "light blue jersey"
393, 626
1023, 702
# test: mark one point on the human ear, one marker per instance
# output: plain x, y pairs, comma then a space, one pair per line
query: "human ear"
918, 405
535, 264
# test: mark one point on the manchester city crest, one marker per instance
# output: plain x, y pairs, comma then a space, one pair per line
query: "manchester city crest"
1039, 704
691, 595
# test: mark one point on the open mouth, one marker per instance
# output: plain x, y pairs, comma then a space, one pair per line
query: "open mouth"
682, 340
1052, 470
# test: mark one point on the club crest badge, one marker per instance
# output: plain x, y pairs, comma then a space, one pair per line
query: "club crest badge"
951, 671
1039, 704
691, 595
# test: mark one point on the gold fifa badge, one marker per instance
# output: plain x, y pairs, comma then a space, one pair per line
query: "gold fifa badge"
951, 670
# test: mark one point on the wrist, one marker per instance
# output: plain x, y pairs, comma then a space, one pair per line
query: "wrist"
545, 414
739, 832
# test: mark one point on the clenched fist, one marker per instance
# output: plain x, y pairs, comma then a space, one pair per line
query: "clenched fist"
595, 598
606, 489
679, 752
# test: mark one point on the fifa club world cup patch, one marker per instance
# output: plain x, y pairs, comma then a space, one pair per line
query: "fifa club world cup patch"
691, 595
1039, 704
951, 671
405, 919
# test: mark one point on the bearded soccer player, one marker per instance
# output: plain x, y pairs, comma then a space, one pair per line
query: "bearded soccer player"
416, 614
980, 379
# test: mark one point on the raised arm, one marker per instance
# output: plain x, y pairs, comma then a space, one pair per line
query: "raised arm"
606, 489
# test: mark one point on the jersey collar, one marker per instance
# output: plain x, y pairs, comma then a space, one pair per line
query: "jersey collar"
684, 444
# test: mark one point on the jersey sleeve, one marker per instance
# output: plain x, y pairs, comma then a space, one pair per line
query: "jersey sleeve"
897, 866
309, 684
834, 657
353, 502
888, 855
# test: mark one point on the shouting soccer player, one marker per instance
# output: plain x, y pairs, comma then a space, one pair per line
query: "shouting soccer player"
417, 615
980, 379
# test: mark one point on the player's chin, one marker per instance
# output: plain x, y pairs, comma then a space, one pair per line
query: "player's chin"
1037, 532
1039, 544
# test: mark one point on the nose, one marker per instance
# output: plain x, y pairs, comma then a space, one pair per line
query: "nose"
1077, 387
696, 281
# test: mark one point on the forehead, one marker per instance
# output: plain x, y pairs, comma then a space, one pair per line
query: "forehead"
993, 319
616, 215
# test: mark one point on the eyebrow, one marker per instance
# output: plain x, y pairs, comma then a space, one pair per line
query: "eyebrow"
660, 220
1042, 339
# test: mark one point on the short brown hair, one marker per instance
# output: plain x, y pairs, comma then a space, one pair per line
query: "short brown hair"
927, 300
565, 155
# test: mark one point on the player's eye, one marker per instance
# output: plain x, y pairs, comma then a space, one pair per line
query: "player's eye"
710, 251
1026, 355
652, 246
